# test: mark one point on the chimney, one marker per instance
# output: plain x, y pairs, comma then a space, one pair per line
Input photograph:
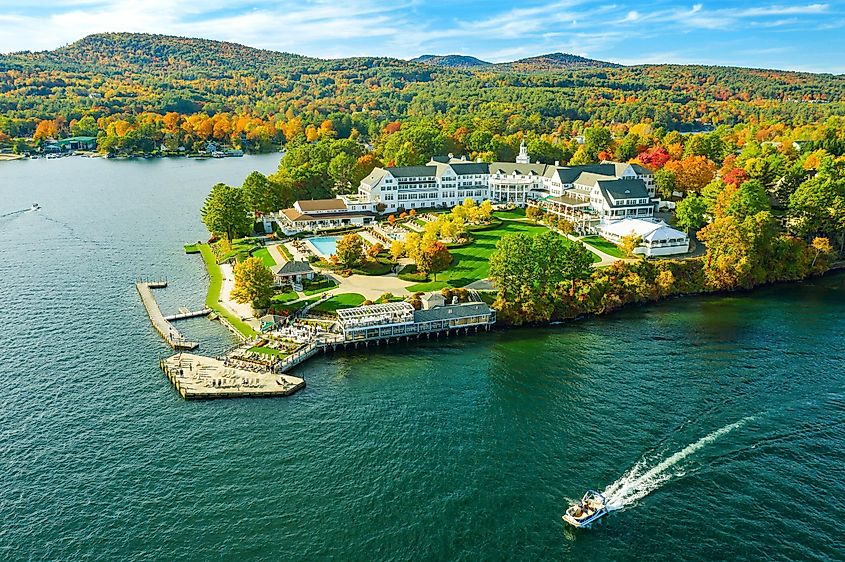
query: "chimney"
451, 155
463, 158
557, 163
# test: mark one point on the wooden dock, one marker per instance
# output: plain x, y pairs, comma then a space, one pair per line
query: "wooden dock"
167, 331
196, 377
188, 314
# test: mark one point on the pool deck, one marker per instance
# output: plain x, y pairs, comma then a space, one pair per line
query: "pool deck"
196, 377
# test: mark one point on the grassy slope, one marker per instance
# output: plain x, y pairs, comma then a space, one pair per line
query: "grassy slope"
343, 300
215, 284
265, 256
605, 246
472, 263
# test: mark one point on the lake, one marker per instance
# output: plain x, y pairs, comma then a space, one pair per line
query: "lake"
717, 423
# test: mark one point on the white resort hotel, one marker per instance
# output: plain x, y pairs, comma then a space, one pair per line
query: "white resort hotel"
590, 196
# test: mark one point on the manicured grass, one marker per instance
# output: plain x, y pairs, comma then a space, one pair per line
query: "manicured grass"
282, 298
215, 284
320, 286
472, 263
265, 256
343, 300
512, 214
379, 266
268, 351
285, 252
605, 246
292, 307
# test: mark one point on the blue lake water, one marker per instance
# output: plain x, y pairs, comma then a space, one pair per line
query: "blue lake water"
727, 413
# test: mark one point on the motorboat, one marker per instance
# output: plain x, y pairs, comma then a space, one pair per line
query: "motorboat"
35, 207
591, 508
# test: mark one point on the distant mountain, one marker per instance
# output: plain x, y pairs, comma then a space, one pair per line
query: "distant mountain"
119, 52
556, 61
451, 61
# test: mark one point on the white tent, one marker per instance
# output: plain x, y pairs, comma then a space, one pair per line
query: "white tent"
658, 238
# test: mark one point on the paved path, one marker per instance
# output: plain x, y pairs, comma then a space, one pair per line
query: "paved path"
241, 310
370, 286
277, 254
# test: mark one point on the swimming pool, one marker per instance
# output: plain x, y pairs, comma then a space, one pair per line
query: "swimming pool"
325, 245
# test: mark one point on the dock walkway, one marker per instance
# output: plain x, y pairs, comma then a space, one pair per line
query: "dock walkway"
170, 334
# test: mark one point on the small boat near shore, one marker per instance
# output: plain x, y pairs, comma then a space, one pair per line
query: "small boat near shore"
35, 207
591, 508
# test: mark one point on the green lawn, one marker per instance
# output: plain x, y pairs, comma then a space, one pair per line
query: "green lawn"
268, 351
472, 263
343, 300
604, 245
282, 298
265, 256
215, 284
192, 248
320, 286
512, 214
285, 252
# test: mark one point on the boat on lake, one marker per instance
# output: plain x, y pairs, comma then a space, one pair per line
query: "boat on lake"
591, 508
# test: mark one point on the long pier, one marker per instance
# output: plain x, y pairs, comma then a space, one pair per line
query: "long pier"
171, 335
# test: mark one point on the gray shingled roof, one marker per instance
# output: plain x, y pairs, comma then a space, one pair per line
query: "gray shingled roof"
624, 189
451, 311
470, 168
413, 171
292, 268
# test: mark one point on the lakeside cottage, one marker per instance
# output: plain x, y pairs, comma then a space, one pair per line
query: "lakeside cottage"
585, 195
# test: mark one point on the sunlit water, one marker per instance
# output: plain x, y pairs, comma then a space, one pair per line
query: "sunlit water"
717, 423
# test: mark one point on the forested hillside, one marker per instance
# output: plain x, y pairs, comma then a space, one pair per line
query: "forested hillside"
122, 77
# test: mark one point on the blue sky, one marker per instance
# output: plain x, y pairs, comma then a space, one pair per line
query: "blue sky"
788, 34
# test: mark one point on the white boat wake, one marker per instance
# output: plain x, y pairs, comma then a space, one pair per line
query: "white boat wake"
641, 479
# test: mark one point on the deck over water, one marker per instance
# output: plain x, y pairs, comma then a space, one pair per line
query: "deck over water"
199, 377
171, 335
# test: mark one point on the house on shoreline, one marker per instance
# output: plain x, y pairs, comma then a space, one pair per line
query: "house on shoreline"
585, 195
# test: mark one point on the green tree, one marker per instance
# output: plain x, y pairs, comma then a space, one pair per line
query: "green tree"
818, 205
262, 195
85, 127
342, 170
666, 182
253, 283
225, 212
577, 263
690, 212
750, 198
596, 139
350, 250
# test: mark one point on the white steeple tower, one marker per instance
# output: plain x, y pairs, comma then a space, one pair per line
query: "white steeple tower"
523, 157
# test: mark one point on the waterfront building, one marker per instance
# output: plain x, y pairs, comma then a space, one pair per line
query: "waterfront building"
322, 214
398, 319
658, 238
585, 194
